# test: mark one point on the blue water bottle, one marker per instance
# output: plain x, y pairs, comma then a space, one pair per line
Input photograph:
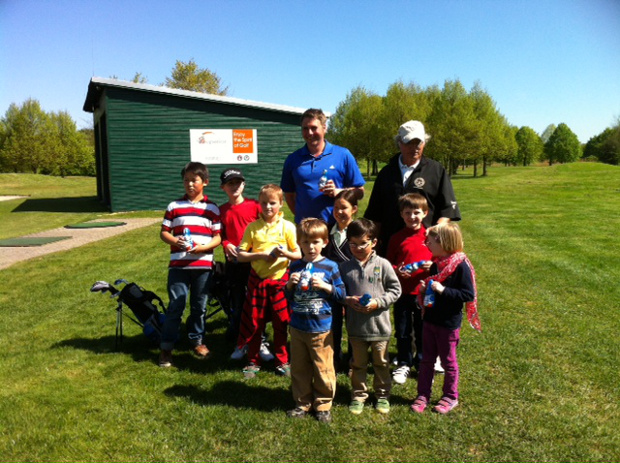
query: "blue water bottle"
323, 180
305, 279
429, 296
188, 238
414, 266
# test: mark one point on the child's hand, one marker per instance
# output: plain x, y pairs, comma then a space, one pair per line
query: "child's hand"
437, 287
401, 272
354, 303
231, 251
427, 265
319, 284
294, 278
277, 252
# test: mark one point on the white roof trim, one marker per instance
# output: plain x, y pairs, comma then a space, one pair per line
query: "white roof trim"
197, 95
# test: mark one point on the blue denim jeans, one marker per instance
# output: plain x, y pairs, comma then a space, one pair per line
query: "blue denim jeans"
180, 284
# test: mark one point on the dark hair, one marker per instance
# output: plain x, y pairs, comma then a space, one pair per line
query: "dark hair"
349, 196
412, 201
362, 227
196, 168
314, 113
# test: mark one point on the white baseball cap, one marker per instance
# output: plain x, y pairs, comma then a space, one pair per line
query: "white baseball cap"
411, 130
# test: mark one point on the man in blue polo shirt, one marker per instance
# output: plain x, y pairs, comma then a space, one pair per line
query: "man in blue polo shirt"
303, 169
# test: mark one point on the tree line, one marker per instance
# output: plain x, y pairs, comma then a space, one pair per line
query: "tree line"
466, 127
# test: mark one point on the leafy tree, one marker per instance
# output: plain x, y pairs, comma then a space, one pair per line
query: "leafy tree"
563, 146
33, 141
27, 130
358, 124
188, 76
138, 78
453, 126
530, 146
605, 146
547, 133
74, 152
493, 138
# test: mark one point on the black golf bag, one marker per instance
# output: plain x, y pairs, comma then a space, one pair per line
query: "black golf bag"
141, 303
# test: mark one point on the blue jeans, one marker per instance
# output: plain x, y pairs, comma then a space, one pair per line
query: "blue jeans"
180, 284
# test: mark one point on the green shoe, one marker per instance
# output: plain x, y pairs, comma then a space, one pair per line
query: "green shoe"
356, 407
383, 406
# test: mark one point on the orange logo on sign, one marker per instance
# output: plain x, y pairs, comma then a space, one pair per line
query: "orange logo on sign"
243, 141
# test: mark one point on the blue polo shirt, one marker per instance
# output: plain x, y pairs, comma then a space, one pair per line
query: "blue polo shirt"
302, 172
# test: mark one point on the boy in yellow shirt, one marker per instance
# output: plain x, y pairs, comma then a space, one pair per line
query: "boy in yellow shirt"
269, 244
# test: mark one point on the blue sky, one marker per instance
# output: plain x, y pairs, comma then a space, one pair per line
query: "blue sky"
542, 61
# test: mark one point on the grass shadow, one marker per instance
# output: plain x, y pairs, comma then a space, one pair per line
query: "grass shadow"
79, 204
235, 394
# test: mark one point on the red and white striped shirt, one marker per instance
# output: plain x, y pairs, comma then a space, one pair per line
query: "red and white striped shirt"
202, 218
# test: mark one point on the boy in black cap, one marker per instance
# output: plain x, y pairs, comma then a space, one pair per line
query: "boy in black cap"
235, 215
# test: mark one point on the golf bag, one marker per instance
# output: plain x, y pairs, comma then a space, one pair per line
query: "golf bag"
219, 293
141, 303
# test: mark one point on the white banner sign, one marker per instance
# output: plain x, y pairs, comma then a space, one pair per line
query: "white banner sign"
224, 146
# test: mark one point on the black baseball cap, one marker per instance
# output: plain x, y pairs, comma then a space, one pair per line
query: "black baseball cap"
230, 174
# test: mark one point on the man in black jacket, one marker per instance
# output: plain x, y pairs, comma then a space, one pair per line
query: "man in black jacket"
410, 172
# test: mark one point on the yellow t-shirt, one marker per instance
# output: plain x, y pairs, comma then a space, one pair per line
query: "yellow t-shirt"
260, 236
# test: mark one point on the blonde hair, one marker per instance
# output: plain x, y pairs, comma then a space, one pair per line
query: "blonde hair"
312, 228
448, 235
272, 189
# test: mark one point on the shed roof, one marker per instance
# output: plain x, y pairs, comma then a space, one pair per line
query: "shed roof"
97, 85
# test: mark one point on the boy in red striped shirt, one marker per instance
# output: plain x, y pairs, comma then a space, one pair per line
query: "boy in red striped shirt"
191, 260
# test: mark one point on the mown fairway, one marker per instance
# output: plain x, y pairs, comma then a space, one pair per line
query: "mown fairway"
540, 383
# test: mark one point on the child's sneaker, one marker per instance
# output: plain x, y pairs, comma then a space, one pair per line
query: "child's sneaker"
383, 406
201, 351
284, 370
401, 374
419, 404
264, 353
297, 412
165, 358
356, 407
445, 405
324, 417
438, 368
239, 352
250, 371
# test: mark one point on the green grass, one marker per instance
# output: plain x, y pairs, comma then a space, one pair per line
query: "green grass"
540, 383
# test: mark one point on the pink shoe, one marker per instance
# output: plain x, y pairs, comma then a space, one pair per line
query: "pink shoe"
419, 404
445, 405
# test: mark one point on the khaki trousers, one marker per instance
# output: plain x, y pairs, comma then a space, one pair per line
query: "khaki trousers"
359, 369
313, 376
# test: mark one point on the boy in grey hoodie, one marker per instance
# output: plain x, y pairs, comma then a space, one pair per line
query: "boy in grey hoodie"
371, 287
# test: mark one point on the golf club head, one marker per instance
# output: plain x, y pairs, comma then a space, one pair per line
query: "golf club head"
102, 286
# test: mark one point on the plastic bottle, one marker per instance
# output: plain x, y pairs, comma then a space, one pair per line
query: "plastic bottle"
414, 266
187, 237
429, 296
305, 279
323, 180
365, 299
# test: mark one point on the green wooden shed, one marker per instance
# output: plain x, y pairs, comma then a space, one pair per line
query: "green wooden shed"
142, 140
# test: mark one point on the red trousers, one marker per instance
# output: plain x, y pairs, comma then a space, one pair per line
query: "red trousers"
265, 301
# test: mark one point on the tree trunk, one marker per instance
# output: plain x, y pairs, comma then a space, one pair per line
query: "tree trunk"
475, 169
484, 166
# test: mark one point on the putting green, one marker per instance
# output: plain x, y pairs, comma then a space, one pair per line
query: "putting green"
95, 224
33, 241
